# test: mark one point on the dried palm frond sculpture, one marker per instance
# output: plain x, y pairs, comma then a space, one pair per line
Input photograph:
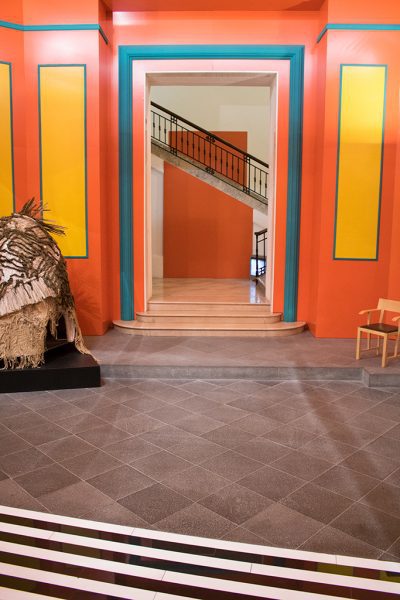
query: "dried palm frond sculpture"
34, 289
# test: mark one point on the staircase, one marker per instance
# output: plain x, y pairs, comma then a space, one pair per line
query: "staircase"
239, 319
208, 157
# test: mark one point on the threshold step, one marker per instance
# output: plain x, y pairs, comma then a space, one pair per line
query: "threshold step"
214, 307
199, 317
217, 329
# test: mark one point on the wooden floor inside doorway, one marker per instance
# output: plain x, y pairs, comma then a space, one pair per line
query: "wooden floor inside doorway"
235, 291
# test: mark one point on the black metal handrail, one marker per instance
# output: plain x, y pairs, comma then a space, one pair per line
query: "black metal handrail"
261, 238
209, 151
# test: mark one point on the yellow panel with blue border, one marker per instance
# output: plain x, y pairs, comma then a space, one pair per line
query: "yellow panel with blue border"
361, 128
62, 97
6, 142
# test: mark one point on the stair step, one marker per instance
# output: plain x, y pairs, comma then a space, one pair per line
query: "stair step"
222, 308
201, 317
216, 329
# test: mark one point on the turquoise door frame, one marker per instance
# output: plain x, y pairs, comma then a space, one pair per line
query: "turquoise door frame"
129, 54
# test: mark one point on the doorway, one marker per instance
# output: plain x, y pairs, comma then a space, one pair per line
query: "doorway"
201, 242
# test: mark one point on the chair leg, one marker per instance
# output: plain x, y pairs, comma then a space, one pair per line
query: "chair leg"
396, 346
384, 351
378, 347
368, 341
358, 347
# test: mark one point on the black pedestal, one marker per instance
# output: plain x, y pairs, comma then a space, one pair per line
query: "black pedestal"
64, 368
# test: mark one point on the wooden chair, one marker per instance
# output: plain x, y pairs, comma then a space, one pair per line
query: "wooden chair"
380, 329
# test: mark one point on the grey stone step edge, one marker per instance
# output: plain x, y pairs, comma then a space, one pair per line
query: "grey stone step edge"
371, 378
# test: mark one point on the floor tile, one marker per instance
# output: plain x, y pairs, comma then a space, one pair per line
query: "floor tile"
394, 478
290, 436
115, 413
198, 387
394, 433
154, 503
244, 536
121, 394
43, 433
23, 461
140, 423
66, 448
45, 480
333, 541
317, 502
144, 403
222, 395
161, 465
368, 524
197, 450
120, 482
271, 483
262, 450
372, 423
91, 464
351, 435
196, 520
385, 446
347, 482
282, 415
169, 414
256, 424
283, 526
328, 449
81, 422
74, 500
198, 424
235, 503
24, 421
384, 497
225, 413
130, 449
228, 435
251, 403
12, 494
371, 464
302, 465
104, 435
231, 465
116, 514
195, 483
11, 443
168, 436
314, 424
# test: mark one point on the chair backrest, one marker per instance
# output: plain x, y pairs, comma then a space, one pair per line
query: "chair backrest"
388, 305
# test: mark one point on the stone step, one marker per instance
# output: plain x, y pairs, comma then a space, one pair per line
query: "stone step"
221, 308
203, 317
280, 328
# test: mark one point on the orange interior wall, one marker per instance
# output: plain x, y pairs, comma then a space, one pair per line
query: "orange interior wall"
347, 286
89, 277
206, 232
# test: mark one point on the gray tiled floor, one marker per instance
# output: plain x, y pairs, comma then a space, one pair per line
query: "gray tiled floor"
300, 464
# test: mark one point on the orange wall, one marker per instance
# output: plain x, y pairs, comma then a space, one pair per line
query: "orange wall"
206, 232
26, 50
330, 292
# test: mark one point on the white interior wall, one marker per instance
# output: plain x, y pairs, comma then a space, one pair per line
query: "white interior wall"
216, 108
223, 108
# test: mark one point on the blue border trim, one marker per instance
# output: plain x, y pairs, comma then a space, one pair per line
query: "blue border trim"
56, 27
128, 54
4, 62
381, 166
40, 148
358, 27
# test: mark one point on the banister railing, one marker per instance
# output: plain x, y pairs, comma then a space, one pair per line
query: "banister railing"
261, 238
209, 152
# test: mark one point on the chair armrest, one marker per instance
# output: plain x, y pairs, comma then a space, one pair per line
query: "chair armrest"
396, 319
368, 310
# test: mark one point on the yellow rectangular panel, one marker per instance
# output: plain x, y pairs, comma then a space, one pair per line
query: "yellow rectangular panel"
361, 127
6, 143
62, 96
